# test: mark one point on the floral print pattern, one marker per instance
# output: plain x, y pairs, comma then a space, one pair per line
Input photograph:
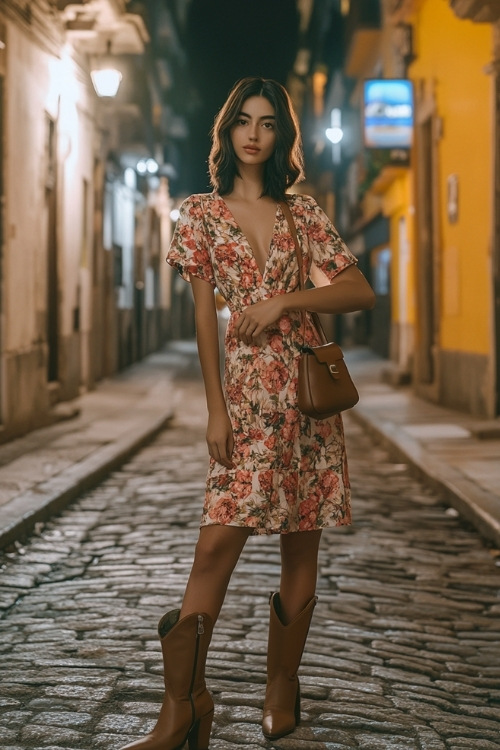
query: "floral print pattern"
290, 470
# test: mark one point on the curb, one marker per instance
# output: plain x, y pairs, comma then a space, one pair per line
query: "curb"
48, 498
475, 504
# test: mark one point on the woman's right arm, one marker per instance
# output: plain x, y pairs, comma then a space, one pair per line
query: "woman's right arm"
219, 429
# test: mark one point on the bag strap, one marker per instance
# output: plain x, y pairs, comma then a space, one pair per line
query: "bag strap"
293, 231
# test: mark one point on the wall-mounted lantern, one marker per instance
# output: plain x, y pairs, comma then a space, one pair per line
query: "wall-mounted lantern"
106, 78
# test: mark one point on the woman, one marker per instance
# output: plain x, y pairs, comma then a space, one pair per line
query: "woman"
272, 470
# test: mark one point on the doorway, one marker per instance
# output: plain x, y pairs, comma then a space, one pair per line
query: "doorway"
381, 314
52, 331
426, 275
496, 253
2, 196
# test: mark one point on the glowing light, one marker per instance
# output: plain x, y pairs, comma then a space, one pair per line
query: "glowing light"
129, 177
345, 6
106, 81
147, 166
174, 214
334, 135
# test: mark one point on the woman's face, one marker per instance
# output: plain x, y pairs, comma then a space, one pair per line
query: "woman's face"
253, 135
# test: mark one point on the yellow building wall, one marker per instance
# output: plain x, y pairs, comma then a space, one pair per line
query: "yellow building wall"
452, 55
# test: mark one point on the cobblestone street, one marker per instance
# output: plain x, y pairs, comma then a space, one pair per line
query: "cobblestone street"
403, 652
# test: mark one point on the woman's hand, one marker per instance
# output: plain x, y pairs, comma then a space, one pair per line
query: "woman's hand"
256, 318
220, 438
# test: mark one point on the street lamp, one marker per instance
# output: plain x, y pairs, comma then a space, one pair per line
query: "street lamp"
147, 166
106, 78
335, 134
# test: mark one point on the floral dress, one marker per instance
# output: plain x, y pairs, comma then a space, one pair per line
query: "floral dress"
290, 470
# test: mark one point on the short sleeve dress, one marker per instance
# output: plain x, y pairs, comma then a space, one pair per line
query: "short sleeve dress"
290, 470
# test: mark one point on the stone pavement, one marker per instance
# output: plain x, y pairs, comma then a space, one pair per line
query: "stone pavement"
457, 454
43, 471
404, 648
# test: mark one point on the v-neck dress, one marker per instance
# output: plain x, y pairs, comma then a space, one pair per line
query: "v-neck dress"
290, 470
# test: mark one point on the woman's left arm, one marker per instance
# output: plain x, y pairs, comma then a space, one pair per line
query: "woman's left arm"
346, 292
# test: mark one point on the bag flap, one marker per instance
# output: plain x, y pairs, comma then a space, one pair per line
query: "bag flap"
326, 354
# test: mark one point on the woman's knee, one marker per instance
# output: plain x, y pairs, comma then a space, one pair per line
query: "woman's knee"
207, 554
300, 546
218, 547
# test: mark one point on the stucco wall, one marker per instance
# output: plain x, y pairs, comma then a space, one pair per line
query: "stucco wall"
452, 59
39, 86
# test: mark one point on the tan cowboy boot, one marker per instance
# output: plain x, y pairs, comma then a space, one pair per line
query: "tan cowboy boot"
188, 708
285, 648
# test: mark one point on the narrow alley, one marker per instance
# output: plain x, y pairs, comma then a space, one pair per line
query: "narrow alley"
403, 650
343, 133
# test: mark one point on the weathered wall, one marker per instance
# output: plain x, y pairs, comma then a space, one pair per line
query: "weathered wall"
451, 73
41, 87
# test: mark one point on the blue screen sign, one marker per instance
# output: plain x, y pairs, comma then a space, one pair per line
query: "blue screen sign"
388, 113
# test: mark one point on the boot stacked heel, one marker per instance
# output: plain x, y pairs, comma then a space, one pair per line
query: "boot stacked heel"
199, 735
297, 704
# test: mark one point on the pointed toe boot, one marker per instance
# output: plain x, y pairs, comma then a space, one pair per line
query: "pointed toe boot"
286, 645
187, 710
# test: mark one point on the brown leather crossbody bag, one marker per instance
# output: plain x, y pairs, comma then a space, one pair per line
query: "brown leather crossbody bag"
325, 386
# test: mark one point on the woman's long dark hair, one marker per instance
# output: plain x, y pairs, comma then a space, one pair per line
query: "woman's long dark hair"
285, 166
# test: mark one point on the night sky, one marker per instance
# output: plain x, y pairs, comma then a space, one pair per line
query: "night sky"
227, 40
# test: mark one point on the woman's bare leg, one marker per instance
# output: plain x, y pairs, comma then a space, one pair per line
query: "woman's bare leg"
216, 555
299, 571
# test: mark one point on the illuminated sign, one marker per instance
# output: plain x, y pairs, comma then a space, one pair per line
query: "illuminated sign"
388, 113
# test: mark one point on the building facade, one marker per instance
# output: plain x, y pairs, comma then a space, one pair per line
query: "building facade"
435, 270
82, 288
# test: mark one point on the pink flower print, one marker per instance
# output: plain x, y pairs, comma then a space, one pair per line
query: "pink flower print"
329, 483
223, 511
324, 428
289, 486
242, 484
270, 442
274, 377
276, 343
218, 209
285, 324
289, 432
266, 480
318, 235
196, 211
234, 393
298, 209
256, 435
252, 521
308, 511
